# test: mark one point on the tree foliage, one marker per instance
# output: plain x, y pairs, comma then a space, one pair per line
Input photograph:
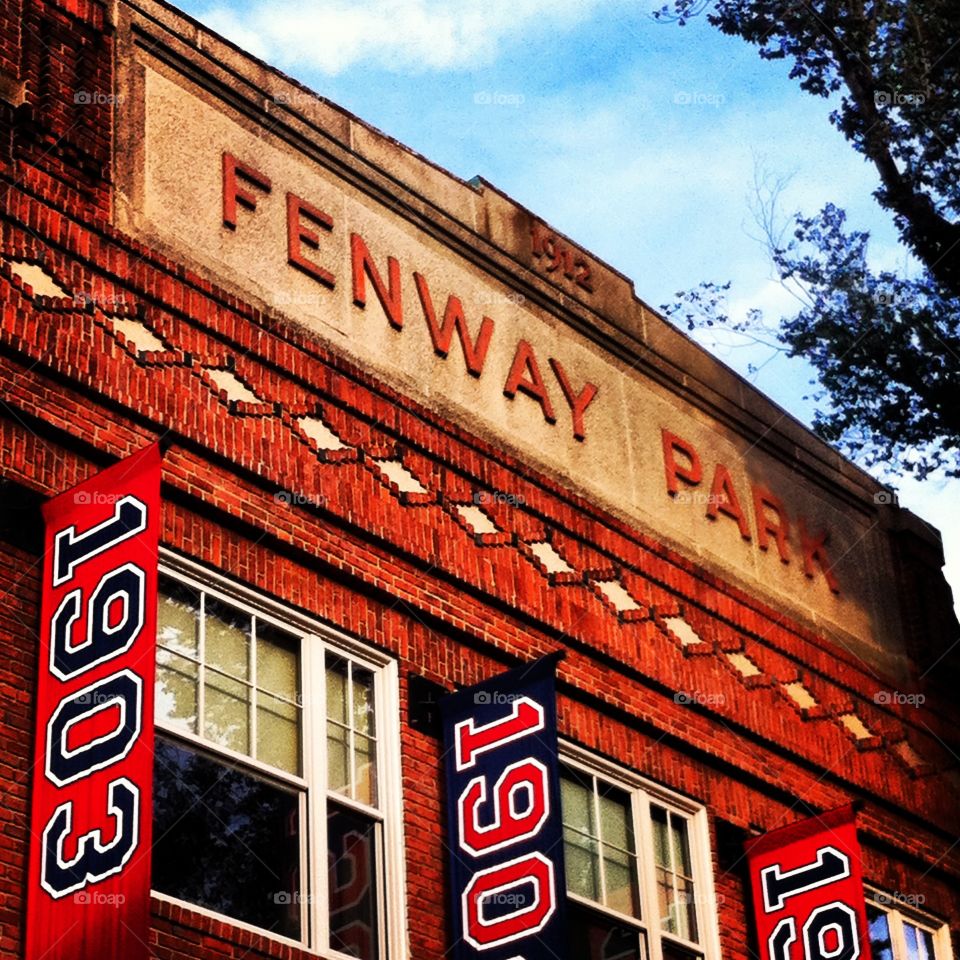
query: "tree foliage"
886, 348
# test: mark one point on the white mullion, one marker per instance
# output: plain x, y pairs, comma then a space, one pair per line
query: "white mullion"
898, 940
252, 671
390, 799
675, 905
351, 742
202, 669
314, 716
595, 798
647, 870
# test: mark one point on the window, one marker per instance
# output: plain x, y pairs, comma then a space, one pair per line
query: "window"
637, 867
271, 776
900, 932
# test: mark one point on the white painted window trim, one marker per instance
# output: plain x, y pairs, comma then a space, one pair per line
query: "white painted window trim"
897, 912
316, 639
643, 792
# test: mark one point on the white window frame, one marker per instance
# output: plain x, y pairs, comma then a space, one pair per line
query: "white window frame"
643, 793
897, 911
318, 639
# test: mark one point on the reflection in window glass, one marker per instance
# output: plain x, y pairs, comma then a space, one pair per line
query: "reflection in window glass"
596, 937
228, 774
675, 893
226, 840
351, 732
880, 945
351, 851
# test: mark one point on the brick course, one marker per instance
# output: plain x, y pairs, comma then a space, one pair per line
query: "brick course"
76, 396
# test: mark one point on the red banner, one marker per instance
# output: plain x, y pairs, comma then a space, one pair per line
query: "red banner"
808, 890
88, 892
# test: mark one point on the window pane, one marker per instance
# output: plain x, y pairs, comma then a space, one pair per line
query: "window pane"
278, 656
352, 867
363, 701
596, 937
661, 845
621, 888
338, 759
919, 942
576, 801
582, 864
178, 617
880, 945
337, 689
226, 840
686, 910
673, 951
616, 828
365, 770
668, 916
226, 711
227, 638
176, 691
278, 733
681, 846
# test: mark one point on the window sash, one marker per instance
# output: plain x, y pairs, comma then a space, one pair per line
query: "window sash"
898, 915
644, 793
316, 643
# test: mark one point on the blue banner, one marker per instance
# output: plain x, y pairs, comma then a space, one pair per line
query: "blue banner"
503, 815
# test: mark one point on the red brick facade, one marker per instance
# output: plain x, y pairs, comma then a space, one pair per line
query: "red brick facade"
401, 571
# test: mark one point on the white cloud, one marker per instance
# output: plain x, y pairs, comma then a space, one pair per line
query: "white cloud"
397, 35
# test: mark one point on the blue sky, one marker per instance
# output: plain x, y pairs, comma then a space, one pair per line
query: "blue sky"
640, 140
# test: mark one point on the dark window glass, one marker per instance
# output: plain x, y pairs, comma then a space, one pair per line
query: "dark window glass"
593, 936
226, 840
352, 866
880, 945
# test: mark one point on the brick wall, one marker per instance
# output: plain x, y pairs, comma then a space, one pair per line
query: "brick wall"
77, 394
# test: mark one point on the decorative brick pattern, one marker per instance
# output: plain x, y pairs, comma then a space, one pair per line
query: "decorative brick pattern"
294, 472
